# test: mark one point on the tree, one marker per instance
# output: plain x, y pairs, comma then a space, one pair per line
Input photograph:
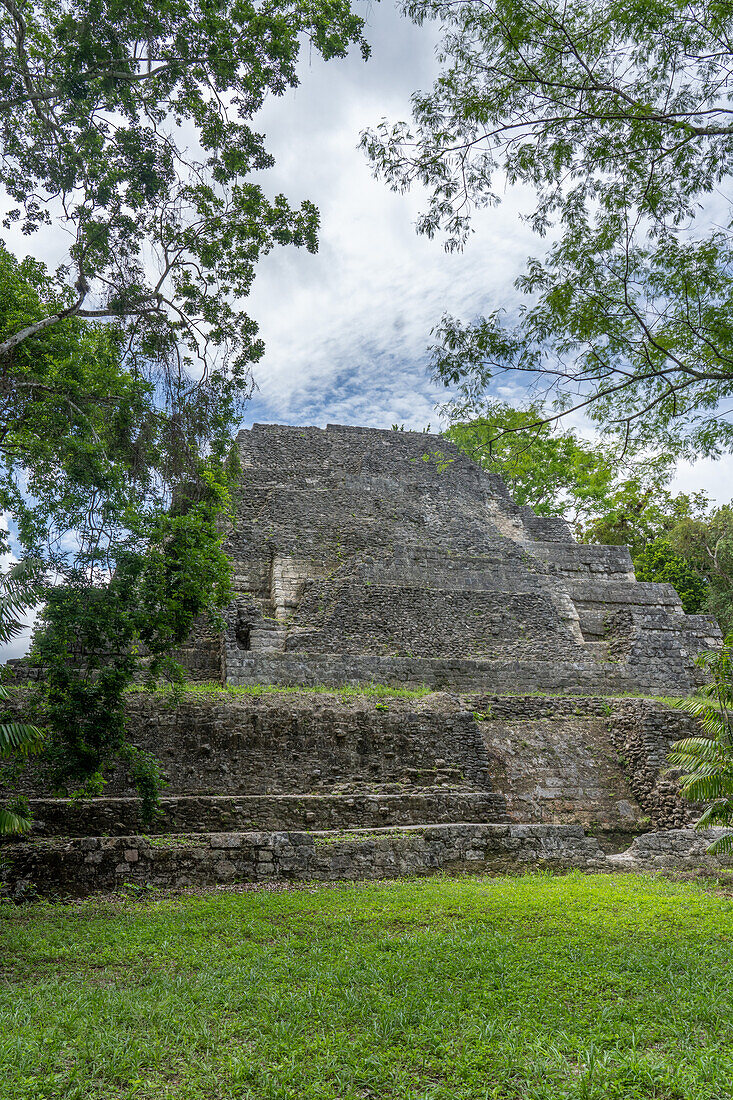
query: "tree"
555, 472
641, 510
658, 562
99, 107
82, 438
707, 759
122, 501
706, 543
123, 371
19, 588
94, 639
618, 117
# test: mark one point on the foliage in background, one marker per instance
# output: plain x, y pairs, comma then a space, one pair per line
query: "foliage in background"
19, 591
555, 472
706, 542
639, 511
681, 539
706, 760
658, 562
618, 118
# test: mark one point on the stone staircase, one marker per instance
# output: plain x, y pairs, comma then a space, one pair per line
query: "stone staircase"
202, 813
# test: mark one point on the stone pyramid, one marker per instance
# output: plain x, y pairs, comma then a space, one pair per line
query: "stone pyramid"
362, 558
364, 555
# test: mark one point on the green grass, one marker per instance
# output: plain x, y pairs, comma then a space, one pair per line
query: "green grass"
437, 989
213, 689
207, 688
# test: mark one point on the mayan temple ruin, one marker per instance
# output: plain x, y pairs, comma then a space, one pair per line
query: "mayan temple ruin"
528, 728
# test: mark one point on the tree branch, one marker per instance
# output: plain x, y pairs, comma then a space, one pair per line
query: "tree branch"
17, 338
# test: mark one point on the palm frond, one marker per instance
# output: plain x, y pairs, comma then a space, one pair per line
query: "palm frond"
707, 758
20, 589
703, 768
703, 789
699, 748
722, 846
13, 824
710, 719
719, 812
19, 737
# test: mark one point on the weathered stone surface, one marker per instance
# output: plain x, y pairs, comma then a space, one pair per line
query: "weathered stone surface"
68, 867
674, 850
368, 556
201, 813
363, 554
325, 762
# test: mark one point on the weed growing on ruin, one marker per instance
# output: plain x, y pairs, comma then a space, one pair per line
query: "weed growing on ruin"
537, 987
177, 692
209, 689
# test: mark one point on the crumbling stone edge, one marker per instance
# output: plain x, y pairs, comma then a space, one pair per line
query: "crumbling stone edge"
80, 866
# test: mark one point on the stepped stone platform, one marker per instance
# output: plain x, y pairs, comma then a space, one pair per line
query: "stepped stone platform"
363, 555
79, 867
368, 557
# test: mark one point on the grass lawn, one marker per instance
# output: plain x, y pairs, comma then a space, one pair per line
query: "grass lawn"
577, 986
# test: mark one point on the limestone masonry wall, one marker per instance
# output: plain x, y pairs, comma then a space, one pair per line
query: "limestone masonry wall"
369, 554
80, 866
300, 760
377, 807
370, 557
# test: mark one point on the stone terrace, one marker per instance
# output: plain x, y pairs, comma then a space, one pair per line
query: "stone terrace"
373, 557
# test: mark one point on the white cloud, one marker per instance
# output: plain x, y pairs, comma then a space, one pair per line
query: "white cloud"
347, 330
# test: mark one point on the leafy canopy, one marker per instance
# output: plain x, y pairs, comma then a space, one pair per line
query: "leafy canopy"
129, 123
18, 592
123, 371
122, 504
82, 438
556, 472
619, 117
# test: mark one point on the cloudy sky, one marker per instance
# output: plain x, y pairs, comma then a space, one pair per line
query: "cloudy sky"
347, 329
